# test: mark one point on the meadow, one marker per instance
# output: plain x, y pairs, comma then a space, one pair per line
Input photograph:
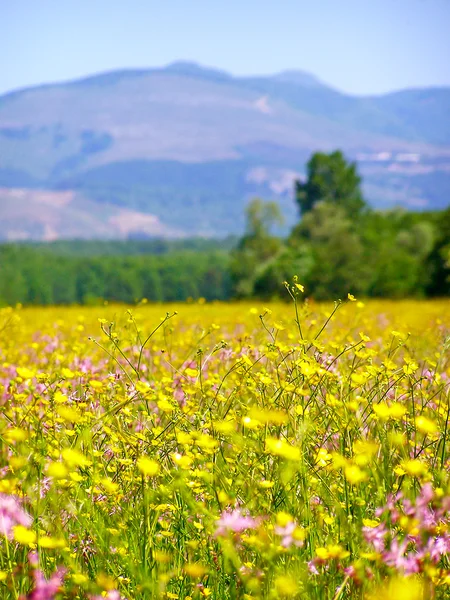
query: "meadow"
226, 451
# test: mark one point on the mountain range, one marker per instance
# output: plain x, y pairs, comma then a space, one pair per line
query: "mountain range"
179, 150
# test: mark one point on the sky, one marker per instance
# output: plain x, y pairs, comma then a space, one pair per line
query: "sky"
357, 46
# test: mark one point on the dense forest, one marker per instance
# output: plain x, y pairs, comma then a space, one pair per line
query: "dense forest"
31, 275
338, 246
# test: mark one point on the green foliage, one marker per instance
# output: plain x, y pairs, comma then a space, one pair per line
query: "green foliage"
289, 260
133, 247
32, 276
338, 264
330, 179
341, 246
257, 247
438, 262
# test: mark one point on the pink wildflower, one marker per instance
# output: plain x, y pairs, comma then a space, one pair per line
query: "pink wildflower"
287, 533
409, 552
234, 521
11, 514
312, 568
375, 536
44, 589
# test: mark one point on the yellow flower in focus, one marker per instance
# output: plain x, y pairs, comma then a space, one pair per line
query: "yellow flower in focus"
59, 397
382, 411
410, 368
25, 373
323, 457
143, 388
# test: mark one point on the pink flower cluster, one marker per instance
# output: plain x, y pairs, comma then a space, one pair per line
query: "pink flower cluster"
11, 514
235, 522
44, 589
288, 535
428, 539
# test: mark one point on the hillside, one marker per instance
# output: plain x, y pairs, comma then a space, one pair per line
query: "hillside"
179, 150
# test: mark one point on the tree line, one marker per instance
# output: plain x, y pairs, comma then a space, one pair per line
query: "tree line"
33, 275
339, 245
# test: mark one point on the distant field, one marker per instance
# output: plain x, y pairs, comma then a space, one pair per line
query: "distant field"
229, 451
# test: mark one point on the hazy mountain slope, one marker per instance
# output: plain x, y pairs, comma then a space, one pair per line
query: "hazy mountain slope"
410, 115
50, 215
172, 114
190, 145
205, 198
423, 111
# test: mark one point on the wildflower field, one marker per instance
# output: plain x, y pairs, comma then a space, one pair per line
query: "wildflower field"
225, 451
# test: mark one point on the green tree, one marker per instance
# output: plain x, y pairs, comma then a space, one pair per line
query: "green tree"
256, 247
337, 253
288, 262
330, 178
439, 259
397, 245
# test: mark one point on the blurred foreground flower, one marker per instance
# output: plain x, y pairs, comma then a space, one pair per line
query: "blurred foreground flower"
405, 588
234, 521
44, 589
11, 515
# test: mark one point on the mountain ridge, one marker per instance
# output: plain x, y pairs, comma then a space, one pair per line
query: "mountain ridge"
187, 68
218, 138
193, 68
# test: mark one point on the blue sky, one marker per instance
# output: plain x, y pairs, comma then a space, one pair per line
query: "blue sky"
358, 46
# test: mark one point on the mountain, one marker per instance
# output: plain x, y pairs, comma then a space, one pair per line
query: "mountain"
179, 150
